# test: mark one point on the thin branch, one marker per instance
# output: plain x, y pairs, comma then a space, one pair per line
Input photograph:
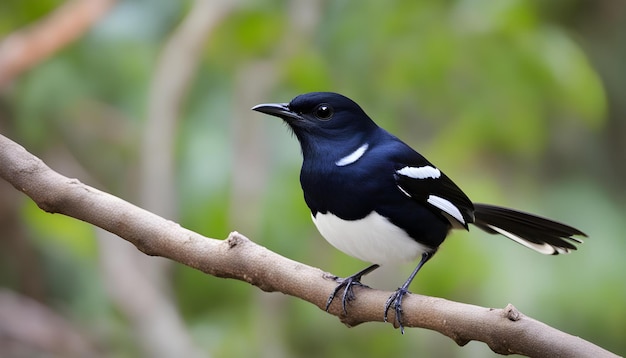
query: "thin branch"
506, 331
23, 49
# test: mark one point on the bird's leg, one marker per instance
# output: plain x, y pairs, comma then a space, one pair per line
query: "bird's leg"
396, 298
346, 284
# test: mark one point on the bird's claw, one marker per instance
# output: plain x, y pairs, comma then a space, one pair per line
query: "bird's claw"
348, 294
396, 300
347, 284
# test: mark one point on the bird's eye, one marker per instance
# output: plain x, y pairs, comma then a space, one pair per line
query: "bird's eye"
324, 112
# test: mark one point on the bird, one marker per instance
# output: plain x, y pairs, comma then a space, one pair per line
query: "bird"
375, 198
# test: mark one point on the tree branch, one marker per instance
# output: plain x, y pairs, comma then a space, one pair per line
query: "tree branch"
23, 49
506, 331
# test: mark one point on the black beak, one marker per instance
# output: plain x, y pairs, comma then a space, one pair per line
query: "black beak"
278, 110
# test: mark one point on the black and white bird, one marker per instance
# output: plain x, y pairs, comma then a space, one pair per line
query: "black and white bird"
375, 198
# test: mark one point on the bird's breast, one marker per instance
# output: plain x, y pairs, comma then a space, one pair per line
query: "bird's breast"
351, 191
373, 238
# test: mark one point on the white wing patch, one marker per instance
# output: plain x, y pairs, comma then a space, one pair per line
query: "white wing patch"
544, 248
447, 207
352, 157
424, 172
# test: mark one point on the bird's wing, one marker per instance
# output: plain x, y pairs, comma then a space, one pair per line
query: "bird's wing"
423, 182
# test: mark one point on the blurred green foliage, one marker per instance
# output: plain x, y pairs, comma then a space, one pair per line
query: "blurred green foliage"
502, 95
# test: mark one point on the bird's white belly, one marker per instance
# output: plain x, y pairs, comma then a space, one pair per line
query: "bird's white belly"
373, 239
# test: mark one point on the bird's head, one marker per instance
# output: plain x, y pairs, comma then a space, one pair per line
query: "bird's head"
321, 119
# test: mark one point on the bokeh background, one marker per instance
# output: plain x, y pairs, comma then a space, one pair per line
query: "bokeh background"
521, 102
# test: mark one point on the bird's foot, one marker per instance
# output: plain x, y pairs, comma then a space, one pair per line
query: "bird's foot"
395, 300
348, 294
347, 284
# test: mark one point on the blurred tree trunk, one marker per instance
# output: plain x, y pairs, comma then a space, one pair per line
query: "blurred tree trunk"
140, 284
251, 165
601, 29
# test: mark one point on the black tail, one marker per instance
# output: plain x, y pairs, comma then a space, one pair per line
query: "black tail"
537, 233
